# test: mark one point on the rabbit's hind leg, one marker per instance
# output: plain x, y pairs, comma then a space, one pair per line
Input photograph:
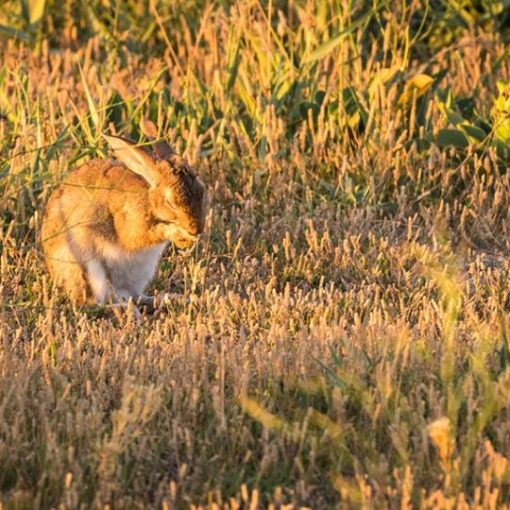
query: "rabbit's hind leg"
68, 273
158, 301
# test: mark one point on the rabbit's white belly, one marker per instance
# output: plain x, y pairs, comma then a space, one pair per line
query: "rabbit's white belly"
128, 273
132, 272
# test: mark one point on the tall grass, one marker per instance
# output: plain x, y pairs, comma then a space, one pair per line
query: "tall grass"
346, 343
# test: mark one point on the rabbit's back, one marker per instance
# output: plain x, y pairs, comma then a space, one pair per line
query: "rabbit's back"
91, 197
104, 180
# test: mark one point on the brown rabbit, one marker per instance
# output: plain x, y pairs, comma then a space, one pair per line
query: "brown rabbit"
105, 228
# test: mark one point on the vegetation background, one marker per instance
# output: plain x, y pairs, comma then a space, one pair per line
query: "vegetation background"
347, 344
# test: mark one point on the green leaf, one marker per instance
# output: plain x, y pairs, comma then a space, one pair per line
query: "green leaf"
383, 77
416, 86
233, 68
325, 48
466, 107
502, 149
14, 33
475, 132
501, 112
504, 354
329, 46
36, 8
92, 107
304, 106
319, 97
453, 137
454, 117
483, 125
333, 378
352, 104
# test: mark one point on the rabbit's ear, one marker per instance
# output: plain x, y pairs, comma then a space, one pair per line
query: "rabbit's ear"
135, 158
161, 148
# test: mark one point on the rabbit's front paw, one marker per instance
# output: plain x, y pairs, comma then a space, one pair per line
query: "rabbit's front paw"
170, 299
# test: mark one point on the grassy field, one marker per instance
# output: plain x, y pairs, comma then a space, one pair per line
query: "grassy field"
346, 343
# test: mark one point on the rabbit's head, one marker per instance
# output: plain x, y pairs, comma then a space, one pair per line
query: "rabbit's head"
176, 195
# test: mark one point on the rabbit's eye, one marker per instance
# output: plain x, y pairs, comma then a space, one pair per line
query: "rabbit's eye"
169, 198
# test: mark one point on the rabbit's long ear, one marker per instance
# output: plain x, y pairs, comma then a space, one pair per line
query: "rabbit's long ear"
161, 148
135, 158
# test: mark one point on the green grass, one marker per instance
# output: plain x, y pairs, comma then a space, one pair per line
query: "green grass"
347, 344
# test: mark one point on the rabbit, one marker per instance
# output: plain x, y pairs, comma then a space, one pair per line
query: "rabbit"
106, 226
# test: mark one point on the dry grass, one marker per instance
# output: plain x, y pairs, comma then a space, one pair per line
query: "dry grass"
348, 344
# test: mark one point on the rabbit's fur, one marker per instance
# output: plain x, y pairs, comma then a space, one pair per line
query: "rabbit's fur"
106, 227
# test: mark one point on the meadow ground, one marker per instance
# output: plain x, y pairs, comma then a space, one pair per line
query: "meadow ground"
347, 343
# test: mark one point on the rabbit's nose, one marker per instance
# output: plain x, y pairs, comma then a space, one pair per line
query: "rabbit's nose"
194, 230
192, 235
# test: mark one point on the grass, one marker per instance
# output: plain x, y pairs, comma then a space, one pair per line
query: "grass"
347, 344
